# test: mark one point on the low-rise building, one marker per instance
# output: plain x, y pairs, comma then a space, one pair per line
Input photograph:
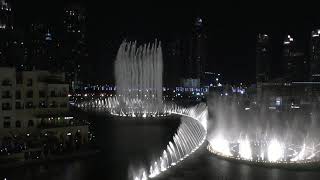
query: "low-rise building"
34, 103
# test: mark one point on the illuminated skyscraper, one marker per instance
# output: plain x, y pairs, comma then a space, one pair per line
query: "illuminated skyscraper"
263, 58
75, 43
12, 48
294, 60
198, 50
6, 21
195, 62
44, 48
315, 56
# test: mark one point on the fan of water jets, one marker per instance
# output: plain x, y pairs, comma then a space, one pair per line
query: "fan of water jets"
188, 138
262, 135
111, 105
138, 76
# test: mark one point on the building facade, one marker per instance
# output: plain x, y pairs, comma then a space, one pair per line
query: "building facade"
315, 56
263, 58
33, 102
295, 64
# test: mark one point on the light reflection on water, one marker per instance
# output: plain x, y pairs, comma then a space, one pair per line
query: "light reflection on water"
123, 145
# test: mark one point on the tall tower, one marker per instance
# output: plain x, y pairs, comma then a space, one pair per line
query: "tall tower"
75, 42
315, 56
263, 58
198, 49
6, 22
6, 27
288, 50
294, 60
44, 47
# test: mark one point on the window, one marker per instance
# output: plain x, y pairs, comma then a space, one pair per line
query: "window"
6, 124
42, 104
6, 94
6, 106
29, 105
30, 123
19, 78
6, 82
52, 94
42, 93
29, 94
18, 105
53, 104
29, 82
63, 105
18, 95
18, 124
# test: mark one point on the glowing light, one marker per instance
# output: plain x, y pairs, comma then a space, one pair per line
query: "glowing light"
221, 145
275, 151
245, 149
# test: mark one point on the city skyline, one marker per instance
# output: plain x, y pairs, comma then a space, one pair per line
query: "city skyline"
147, 91
231, 37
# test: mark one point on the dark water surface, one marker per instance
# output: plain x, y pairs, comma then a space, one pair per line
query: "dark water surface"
124, 143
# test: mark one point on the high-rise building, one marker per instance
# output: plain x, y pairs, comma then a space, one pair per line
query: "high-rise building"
75, 43
6, 21
294, 60
174, 54
195, 62
44, 48
263, 58
6, 27
198, 50
315, 56
12, 46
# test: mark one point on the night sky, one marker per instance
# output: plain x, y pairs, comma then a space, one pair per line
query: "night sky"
231, 27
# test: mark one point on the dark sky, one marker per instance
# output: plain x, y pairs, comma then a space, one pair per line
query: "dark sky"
231, 27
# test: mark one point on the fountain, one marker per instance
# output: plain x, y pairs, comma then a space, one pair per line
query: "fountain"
260, 135
188, 138
138, 73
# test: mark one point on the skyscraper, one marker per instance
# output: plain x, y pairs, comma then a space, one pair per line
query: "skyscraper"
294, 60
6, 21
263, 58
315, 56
12, 46
198, 50
195, 62
6, 27
44, 47
75, 42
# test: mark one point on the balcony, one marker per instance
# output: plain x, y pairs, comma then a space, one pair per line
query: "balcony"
6, 96
58, 94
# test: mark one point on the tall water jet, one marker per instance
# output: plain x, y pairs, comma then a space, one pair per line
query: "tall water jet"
138, 75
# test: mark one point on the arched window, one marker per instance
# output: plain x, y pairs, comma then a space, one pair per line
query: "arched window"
30, 123
18, 124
